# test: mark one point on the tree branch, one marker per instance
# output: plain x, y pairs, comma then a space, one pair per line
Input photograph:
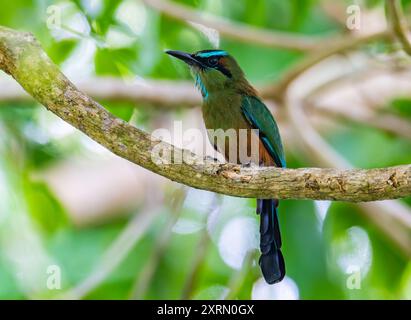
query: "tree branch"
22, 57
399, 24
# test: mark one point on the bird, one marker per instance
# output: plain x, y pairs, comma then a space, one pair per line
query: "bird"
231, 102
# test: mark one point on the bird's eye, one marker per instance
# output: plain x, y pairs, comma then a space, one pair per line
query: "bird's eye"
213, 61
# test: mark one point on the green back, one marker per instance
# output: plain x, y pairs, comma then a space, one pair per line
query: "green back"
261, 118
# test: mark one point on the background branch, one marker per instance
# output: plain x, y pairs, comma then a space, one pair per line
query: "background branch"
171, 95
162, 93
115, 253
145, 277
235, 30
393, 218
344, 44
386, 122
398, 24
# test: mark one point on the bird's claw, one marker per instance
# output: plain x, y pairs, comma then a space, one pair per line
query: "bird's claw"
246, 165
209, 158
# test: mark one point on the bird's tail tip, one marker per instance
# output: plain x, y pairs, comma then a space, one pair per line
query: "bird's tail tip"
271, 261
272, 266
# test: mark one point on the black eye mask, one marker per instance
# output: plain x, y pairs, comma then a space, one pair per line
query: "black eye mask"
224, 71
212, 62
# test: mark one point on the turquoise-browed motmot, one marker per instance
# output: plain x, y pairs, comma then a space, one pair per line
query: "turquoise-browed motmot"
230, 102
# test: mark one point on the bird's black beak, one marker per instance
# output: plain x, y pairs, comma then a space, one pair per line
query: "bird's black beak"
186, 57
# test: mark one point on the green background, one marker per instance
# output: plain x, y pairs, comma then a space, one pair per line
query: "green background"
322, 241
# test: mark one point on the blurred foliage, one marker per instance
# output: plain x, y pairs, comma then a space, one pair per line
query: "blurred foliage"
315, 245
402, 106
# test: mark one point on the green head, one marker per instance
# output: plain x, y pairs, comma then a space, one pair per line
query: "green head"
213, 70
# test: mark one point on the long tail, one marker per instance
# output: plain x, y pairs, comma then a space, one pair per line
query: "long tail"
271, 260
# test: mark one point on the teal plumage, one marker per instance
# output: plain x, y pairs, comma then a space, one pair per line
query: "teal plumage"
200, 86
261, 118
230, 102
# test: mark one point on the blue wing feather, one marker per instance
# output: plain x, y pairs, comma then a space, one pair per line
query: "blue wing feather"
261, 118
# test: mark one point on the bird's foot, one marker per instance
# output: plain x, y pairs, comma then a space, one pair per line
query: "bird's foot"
247, 164
209, 158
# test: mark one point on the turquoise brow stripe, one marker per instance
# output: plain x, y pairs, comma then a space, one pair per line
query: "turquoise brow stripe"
212, 53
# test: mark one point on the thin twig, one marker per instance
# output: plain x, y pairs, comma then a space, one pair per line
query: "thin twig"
200, 254
238, 279
115, 254
144, 279
399, 23
199, 257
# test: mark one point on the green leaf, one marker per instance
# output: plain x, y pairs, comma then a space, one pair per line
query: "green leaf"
43, 207
115, 62
123, 110
401, 106
60, 51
